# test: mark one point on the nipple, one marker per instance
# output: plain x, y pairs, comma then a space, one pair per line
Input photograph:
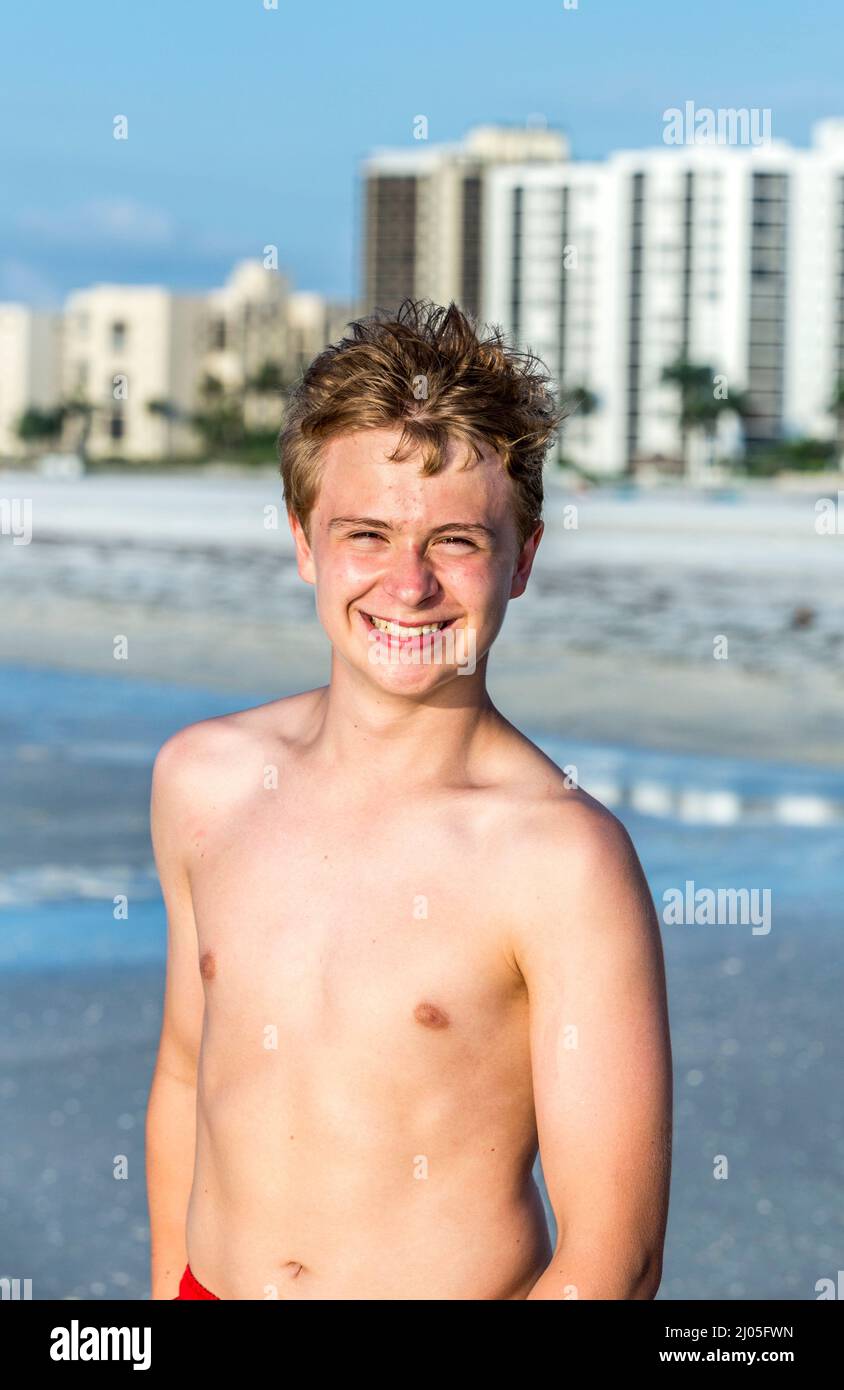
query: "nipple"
430, 1016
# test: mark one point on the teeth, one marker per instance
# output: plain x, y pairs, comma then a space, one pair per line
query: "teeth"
399, 630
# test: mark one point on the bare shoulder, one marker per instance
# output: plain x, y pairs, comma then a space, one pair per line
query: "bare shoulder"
565, 859
219, 757
554, 813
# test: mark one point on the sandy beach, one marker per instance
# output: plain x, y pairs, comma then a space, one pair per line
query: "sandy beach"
727, 772
614, 640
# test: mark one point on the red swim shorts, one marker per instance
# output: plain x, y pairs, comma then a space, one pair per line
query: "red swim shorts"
190, 1287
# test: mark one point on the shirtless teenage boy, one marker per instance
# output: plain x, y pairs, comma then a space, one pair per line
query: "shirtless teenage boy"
402, 950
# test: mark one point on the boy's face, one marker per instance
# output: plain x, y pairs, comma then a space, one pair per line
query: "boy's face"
389, 544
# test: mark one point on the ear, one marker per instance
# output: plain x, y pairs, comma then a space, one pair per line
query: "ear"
524, 564
304, 556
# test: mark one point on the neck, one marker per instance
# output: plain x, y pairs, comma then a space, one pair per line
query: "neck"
371, 735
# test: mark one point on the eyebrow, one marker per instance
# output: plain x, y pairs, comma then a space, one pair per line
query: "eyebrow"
372, 521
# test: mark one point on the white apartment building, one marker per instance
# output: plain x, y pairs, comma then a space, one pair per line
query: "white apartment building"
727, 256
423, 208
553, 282
247, 330
312, 323
814, 347
127, 347
30, 345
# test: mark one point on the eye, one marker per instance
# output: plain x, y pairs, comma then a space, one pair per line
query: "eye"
458, 540
442, 540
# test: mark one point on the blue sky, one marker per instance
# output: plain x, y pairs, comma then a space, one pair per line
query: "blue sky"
247, 125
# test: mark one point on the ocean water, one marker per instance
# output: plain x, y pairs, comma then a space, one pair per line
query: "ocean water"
755, 1009
643, 570
75, 796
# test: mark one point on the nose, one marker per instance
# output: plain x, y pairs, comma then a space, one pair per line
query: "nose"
409, 578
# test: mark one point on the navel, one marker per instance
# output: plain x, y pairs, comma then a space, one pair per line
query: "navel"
430, 1016
207, 965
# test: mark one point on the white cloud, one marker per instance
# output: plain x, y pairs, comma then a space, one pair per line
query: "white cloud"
102, 222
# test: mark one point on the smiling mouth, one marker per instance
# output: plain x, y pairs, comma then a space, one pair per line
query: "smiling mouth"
396, 629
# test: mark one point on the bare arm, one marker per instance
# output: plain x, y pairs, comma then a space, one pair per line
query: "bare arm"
171, 1111
591, 955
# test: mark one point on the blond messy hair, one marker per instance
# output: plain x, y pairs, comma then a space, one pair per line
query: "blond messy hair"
474, 390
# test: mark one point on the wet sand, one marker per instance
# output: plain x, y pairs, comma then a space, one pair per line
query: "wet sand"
614, 640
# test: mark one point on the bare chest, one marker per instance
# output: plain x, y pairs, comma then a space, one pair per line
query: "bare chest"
381, 938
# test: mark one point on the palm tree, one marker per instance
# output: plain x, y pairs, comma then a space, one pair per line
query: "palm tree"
692, 381
269, 379
220, 417
700, 408
170, 413
581, 401
40, 426
82, 411
836, 409
577, 400
708, 410
52, 425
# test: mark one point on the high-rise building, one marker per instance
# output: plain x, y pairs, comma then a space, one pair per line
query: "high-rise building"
813, 363
552, 281
423, 212
726, 256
